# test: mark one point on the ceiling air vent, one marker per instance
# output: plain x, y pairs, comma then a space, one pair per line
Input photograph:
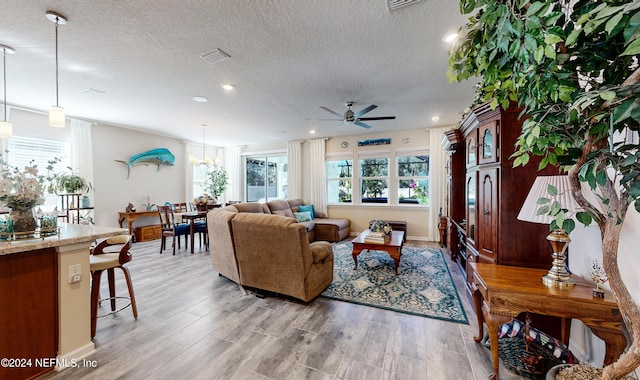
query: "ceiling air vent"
393, 5
215, 56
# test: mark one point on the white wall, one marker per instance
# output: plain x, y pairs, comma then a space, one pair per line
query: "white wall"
113, 191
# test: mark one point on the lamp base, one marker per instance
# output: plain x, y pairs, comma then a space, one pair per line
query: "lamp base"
550, 281
558, 275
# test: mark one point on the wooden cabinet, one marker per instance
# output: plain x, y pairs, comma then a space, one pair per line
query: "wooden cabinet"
146, 233
488, 143
28, 312
455, 210
487, 211
495, 192
484, 216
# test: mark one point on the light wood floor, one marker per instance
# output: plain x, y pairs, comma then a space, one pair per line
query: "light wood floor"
194, 324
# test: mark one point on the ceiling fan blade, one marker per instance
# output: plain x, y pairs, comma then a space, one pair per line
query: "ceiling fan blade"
325, 119
377, 118
363, 125
362, 112
333, 112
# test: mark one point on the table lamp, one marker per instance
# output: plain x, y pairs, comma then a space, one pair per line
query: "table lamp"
558, 238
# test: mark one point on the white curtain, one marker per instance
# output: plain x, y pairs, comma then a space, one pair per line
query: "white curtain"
437, 180
188, 171
82, 149
233, 166
317, 175
294, 169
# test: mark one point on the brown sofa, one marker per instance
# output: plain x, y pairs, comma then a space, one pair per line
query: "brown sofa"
321, 228
269, 252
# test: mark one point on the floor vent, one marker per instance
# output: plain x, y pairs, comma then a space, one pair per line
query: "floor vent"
215, 56
393, 5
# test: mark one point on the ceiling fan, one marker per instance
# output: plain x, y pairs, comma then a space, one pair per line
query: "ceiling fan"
356, 118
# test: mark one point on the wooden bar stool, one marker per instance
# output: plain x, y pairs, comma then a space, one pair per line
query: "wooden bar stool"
109, 254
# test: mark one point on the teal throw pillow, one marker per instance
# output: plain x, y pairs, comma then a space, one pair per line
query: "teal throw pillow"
309, 208
304, 216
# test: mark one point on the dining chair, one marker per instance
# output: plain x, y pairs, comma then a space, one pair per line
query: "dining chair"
170, 228
109, 254
179, 207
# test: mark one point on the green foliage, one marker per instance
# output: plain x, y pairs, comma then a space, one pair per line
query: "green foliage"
216, 182
68, 182
575, 72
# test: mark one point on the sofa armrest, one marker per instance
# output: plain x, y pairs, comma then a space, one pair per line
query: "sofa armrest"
320, 250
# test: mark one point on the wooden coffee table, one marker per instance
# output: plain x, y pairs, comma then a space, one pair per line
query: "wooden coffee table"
393, 247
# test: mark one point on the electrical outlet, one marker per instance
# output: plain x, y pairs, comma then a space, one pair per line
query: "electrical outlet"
75, 273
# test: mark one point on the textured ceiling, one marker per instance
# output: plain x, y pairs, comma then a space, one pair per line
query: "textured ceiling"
288, 58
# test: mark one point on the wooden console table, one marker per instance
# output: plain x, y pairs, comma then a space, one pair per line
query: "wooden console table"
129, 217
502, 292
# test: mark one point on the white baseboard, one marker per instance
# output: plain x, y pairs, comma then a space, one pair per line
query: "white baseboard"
75, 358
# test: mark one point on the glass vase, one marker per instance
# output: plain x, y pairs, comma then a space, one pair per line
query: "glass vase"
24, 222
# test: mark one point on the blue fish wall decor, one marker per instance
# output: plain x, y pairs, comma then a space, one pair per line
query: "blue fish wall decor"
160, 156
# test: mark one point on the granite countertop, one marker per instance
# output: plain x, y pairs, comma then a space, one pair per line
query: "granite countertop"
69, 234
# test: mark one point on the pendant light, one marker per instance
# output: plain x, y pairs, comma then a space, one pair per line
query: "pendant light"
6, 128
206, 160
56, 113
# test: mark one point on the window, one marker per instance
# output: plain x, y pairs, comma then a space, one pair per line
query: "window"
24, 150
413, 178
374, 175
199, 179
339, 180
266, 178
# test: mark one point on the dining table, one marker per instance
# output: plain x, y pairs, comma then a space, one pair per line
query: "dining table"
192, 217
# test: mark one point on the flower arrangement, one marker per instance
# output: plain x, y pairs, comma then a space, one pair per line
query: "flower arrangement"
203, 199
21, 188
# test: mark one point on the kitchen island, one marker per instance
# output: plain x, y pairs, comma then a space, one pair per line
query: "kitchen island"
45, 311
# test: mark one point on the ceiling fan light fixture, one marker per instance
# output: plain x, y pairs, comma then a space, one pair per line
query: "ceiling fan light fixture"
56, 113
6, 127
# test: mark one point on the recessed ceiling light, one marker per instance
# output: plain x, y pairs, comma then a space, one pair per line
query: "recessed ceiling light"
449, 38
200, 99
435, 118
312, 131
227, 87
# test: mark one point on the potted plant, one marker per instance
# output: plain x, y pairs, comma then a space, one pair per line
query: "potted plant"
69, 183
216, 182
573, 68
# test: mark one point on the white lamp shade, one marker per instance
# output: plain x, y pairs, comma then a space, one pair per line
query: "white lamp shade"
529, 210
6, 129
56, 117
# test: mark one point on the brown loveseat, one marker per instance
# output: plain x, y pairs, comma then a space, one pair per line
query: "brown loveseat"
320, 228
269, 252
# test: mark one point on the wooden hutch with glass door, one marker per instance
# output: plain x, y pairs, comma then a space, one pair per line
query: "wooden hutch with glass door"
486, 193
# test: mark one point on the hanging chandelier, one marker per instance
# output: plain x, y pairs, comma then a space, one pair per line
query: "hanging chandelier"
6, 127
206, 160
56, 113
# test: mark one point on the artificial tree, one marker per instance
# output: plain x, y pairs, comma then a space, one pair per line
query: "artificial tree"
573, 66
216, 181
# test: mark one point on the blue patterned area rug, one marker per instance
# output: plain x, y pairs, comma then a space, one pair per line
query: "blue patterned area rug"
423, 287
